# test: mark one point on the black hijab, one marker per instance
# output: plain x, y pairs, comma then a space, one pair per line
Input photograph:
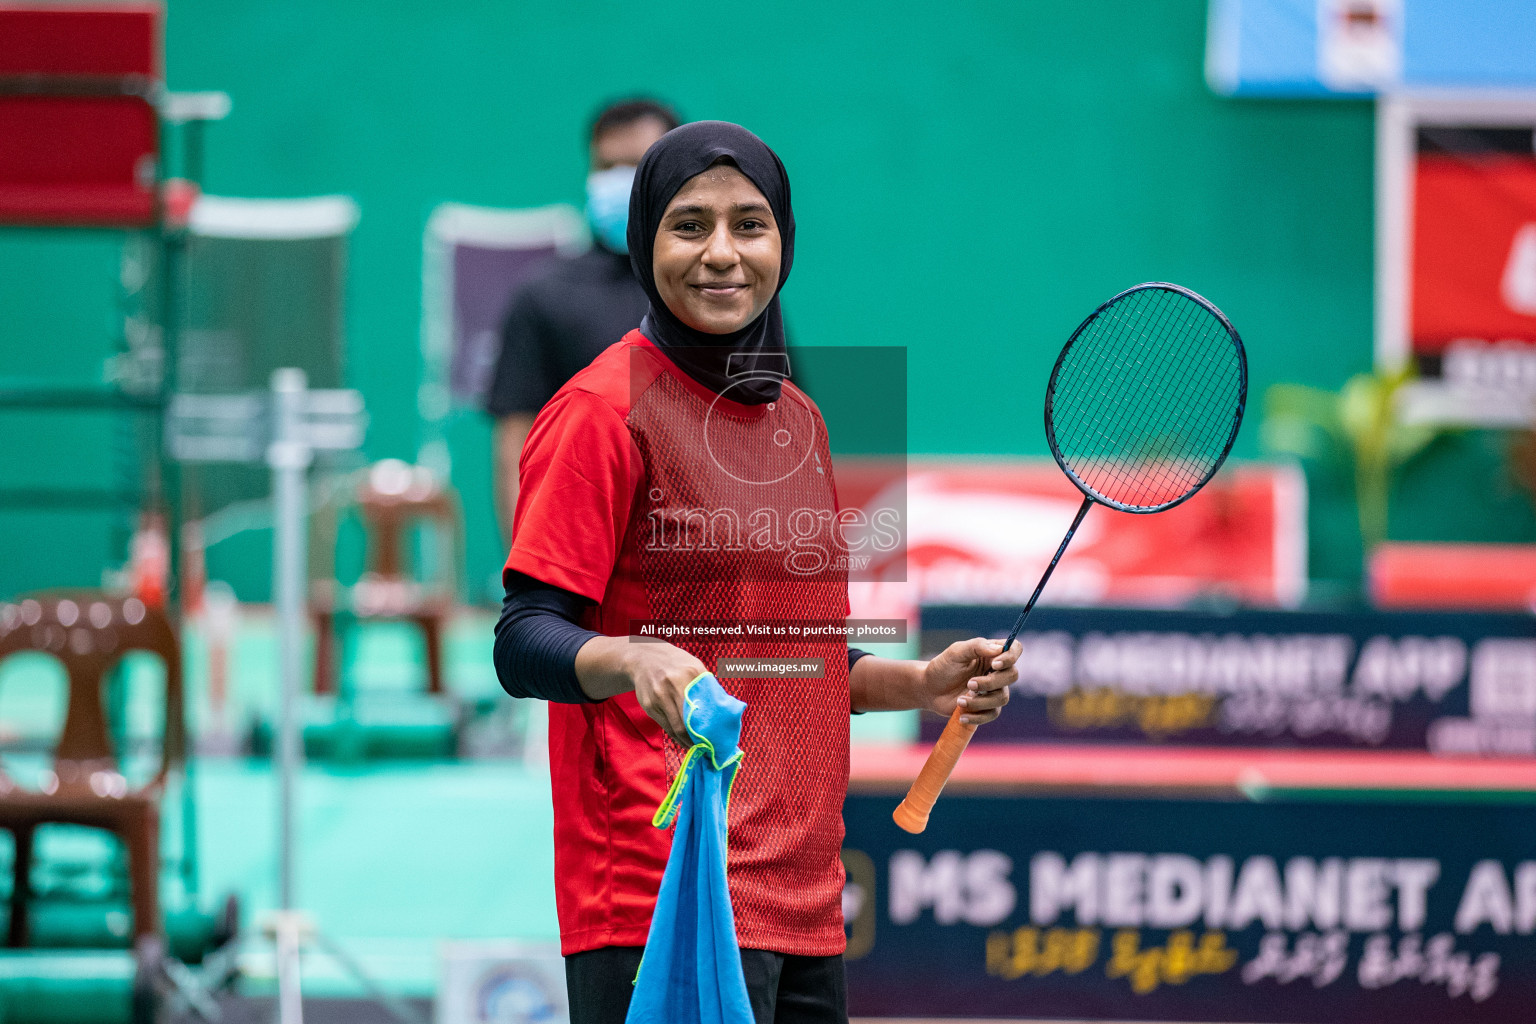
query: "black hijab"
714, 360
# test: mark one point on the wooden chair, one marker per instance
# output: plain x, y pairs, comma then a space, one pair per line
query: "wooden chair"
391, 498
88, 632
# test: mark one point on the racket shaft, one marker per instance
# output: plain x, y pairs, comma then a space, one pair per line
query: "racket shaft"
1082, 510
913, 812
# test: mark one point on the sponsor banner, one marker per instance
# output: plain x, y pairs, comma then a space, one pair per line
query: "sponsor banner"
1318, 49
1474, 253
1449, 683
983, 532
1473, 274
1183, 910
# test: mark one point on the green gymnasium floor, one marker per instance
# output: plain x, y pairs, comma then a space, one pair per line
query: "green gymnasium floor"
395, 856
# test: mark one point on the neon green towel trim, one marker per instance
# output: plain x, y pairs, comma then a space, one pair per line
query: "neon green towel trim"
666, 812
731, 784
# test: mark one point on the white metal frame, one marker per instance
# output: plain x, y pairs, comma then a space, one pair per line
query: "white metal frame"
275, 219
1290, 535
1398, 118
559, 224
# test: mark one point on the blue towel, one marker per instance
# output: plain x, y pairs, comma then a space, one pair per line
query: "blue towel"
691, 970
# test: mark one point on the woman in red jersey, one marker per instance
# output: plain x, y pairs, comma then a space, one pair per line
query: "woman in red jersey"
682, 479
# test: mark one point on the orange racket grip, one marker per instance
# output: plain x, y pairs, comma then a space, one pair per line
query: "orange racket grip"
913, 812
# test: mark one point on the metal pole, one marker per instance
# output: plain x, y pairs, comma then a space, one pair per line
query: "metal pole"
290, 992
173, 242
192, 151
289, 456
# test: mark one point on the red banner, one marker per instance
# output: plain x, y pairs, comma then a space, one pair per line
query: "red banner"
982, 533
1474, 250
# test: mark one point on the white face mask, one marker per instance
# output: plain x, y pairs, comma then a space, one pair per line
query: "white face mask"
608, 205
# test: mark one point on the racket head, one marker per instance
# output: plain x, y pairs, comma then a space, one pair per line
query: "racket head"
1146, 398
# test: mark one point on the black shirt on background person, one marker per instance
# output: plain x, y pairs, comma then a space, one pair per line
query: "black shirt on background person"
560, 319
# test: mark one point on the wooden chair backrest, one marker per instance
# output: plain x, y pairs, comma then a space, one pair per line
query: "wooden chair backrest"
388, 517
88, 632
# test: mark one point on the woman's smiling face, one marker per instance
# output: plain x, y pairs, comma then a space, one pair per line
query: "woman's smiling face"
716, 255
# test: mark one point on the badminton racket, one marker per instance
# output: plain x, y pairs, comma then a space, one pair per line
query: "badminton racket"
1142, 408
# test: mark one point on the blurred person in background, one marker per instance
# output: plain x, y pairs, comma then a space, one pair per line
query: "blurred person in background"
573, 308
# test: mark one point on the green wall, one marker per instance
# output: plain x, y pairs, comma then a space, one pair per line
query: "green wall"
971, 178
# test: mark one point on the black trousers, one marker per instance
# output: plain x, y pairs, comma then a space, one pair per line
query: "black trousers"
783, 989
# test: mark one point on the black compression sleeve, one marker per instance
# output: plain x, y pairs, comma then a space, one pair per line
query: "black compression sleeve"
854, 654
537, 639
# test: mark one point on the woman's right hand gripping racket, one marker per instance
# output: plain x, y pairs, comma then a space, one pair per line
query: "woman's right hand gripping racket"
1142, 408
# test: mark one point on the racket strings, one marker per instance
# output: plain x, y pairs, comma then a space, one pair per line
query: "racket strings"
1145, 400
1181, 336
1147, 460
1144, 467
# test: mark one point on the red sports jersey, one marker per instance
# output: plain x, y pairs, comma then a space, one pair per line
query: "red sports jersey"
645, 492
